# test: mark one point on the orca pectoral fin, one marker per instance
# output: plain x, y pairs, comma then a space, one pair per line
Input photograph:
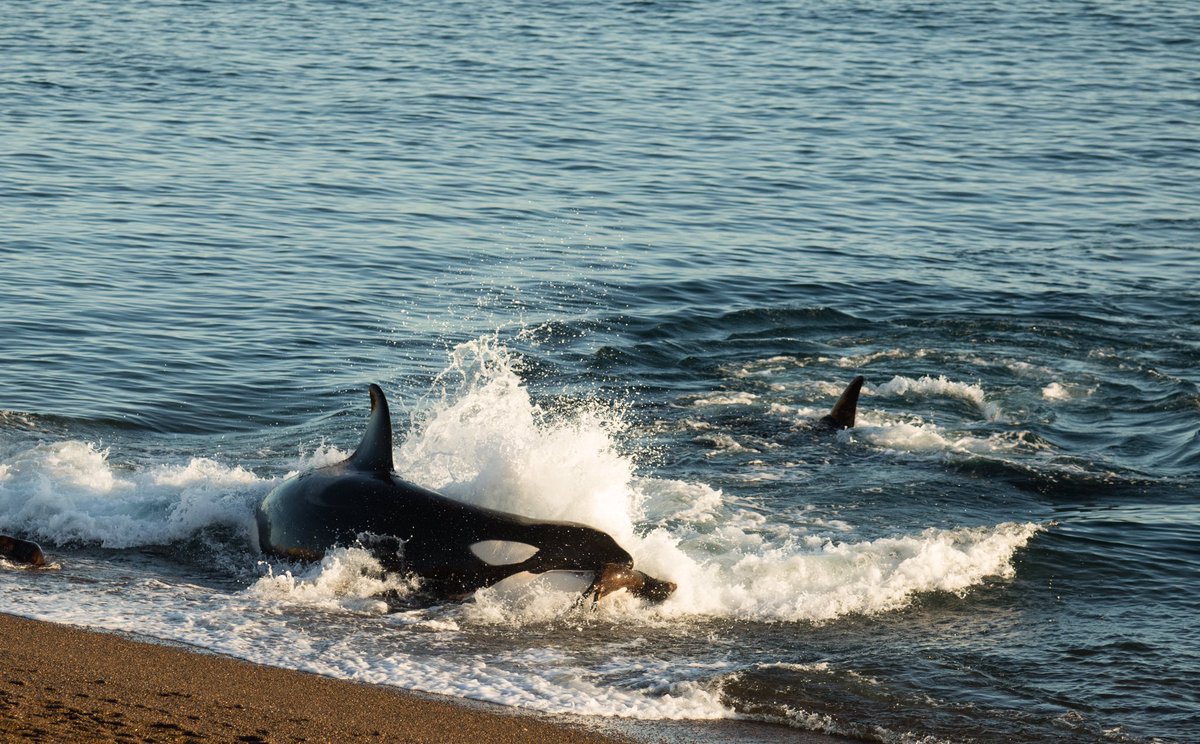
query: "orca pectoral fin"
844, 411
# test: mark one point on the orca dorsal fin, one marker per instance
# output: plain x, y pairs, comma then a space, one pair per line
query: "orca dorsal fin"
842, 415
374, 453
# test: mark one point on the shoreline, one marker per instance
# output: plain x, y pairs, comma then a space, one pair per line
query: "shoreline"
69, 684
65, 683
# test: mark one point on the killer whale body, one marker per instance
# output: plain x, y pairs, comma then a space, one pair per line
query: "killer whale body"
453, 547
843, 413
21, 551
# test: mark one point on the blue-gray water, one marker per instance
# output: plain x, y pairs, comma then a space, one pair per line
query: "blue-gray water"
614, 258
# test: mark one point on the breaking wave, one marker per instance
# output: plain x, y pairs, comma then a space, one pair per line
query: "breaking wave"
483, 438
900, 386
71, 492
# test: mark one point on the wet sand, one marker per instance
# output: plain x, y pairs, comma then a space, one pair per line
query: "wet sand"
63, 684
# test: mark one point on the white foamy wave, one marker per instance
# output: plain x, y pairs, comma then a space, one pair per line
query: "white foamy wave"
680, 501
7, 565
762, 367
735, 398
939, 386
485, 441
360, 645
526, 598
915, 435
325, 454
1058, 391
737, 572
830, 579
545, 681
346, 578
1055, 391
747, 568
722, 444
825, 391
816, 666
919, 436
856, 361
826, 724
1024, 369
70, 492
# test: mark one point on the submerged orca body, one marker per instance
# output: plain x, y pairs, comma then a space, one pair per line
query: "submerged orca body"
844, 411
21, 551
453, 547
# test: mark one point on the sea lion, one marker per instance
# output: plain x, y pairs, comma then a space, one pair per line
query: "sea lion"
21, 551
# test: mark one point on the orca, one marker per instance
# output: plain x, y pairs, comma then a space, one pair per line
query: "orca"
454, 548
843, 412
21, 551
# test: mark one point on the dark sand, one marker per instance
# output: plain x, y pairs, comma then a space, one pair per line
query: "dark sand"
63, 684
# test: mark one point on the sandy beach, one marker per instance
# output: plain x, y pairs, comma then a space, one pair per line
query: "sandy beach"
64, 684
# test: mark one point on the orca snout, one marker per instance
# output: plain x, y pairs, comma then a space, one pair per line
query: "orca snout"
616, 569
605, 551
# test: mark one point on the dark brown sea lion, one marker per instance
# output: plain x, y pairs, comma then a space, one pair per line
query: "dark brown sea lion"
21, 551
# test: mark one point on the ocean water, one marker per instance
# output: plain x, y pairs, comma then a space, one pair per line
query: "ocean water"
611, 261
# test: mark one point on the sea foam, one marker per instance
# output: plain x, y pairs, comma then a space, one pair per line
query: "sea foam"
483, 438
70, 492
900, 386
486, 441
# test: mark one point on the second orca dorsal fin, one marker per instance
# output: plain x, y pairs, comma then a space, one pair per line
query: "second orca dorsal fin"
374, 452
842, 415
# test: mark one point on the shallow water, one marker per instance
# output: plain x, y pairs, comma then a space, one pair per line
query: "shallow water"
610, 264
